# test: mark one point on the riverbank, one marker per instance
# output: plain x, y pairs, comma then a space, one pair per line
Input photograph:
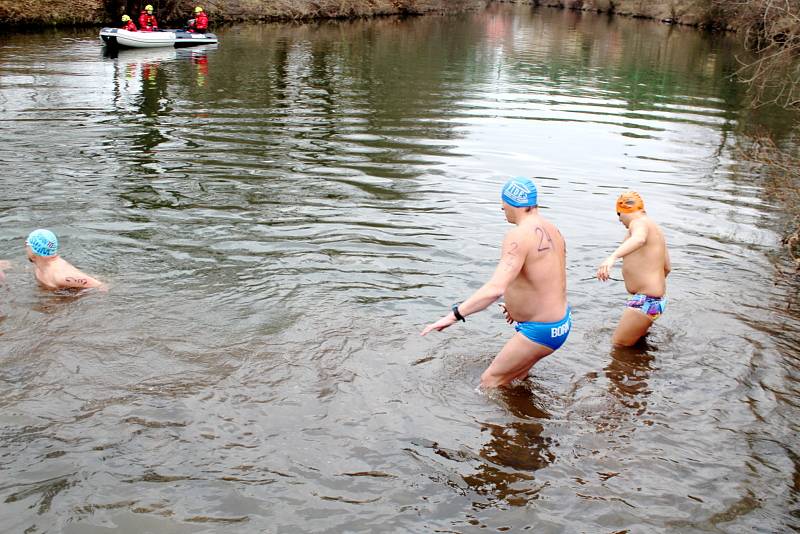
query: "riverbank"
39, 13
699, 13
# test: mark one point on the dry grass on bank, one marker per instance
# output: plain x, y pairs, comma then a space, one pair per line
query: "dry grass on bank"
250, 10
96, 12
53, 12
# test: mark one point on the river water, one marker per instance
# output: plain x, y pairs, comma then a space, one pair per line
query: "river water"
279, 216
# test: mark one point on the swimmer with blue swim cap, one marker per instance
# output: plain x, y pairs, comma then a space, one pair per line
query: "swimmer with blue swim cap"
520, 192
532, 276
52, 271
43, 242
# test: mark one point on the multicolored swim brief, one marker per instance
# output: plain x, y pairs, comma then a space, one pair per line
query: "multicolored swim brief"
653, 307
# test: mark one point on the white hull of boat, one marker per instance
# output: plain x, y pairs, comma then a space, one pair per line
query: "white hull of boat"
160, 39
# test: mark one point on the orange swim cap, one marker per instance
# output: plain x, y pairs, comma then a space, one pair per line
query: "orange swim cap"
629, 201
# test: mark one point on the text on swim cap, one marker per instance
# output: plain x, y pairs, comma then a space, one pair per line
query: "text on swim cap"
517, 192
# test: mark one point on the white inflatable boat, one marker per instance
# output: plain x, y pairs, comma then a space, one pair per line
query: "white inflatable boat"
117, 37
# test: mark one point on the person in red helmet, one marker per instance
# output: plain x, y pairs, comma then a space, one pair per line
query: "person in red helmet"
127, 24
199, 24
147, 21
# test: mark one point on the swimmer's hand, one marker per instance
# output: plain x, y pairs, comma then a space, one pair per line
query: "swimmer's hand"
440, 325
604, 270
509, 319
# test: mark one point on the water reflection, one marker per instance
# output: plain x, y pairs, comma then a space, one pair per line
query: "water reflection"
628, 372
280, 213
515, 450
621, 402
154, 99
498, 26
200, 61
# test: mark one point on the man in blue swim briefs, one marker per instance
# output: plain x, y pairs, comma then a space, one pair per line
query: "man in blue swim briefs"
645, 267
532, 276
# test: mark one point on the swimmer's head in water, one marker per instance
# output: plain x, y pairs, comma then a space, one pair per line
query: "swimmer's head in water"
43, 242
629, 202
520, 192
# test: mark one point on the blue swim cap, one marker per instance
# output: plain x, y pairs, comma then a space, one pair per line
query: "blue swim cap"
520, 192
43, 242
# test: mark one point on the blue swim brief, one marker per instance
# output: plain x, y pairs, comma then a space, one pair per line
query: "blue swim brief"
653, 307
551, 335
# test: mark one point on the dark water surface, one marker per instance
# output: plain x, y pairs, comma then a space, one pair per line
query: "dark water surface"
279, 216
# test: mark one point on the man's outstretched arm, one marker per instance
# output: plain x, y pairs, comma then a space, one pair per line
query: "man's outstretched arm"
81, 280
512, 258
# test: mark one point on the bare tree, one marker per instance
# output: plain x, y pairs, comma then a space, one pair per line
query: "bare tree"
772, 31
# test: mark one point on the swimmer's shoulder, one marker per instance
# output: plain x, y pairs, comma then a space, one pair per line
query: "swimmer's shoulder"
552, 231
653, 226
519, 234
70, 277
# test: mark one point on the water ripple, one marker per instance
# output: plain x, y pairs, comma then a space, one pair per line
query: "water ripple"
278, 216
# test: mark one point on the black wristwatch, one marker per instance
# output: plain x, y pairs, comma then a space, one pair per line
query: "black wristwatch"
459, 317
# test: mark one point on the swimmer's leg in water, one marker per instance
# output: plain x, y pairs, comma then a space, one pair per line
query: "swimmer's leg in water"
514, 361
632, 326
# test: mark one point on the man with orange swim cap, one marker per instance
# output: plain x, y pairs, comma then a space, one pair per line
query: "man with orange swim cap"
630, 202
645, 267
